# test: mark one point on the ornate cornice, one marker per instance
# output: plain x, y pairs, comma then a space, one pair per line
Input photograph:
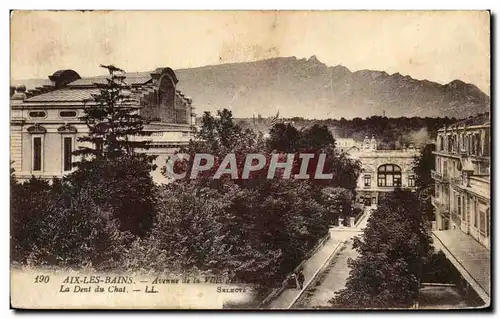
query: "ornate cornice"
37, 129
67, 128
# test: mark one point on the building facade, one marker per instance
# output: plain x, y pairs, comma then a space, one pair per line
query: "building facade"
45, 124
462, 178
382, 170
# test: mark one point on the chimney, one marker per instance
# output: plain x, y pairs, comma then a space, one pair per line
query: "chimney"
20, 93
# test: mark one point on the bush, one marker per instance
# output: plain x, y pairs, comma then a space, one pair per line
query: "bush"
109, 214
29, 204
124, 185
249, 235
393, 249
66, 229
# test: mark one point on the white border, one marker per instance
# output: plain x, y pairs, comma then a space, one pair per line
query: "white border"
191, 4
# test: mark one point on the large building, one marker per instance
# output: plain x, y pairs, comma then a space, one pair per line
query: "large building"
462, 178
462, 199
45, 124
382, 170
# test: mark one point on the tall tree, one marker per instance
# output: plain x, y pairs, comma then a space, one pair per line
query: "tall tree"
113, 121
392, 250
422, 166
316, 137
112, 167
283, 138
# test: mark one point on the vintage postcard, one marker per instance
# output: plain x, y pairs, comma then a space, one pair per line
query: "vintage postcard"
250, 160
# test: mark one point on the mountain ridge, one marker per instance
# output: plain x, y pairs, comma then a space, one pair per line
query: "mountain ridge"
309, 88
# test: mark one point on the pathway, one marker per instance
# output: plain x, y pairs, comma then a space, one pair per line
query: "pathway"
320, 260
335, 275
334, 279
311, 267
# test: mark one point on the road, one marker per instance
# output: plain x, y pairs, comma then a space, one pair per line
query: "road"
334, 277
311, 267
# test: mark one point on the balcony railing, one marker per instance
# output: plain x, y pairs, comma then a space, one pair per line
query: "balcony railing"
439, 176
455, 216
443, 209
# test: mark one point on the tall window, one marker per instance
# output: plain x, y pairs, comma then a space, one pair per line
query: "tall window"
478, 144
411, 181
67, 150
459, 206
389, 175
166, 95
469, 144
37, 153
465, 207
475, 213
368, 180
486, 142
473, 144
483, 222
487, 222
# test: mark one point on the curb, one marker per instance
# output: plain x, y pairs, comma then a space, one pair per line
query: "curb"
275, 292
365, 214
318, 272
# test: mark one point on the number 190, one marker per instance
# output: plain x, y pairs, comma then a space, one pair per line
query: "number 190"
41, 279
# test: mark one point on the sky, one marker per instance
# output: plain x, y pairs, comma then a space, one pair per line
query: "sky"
439, 46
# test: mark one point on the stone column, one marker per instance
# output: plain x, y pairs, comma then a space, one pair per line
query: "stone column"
351, 221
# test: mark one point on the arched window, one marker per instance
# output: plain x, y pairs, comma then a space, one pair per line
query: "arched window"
389, 175
166, 99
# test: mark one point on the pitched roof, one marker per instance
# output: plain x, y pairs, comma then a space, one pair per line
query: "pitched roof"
82, 89
65, 95
130, 79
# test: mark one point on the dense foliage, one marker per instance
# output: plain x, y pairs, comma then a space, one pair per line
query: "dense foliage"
108, 214
393, 250
422, 167
113, 122
391, 133
260, 229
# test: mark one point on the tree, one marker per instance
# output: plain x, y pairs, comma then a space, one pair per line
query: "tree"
113, 122
29, 205
283, 138
339, 200
316, 137
122, 186
392, 252
256, 230
422, 166
220, 133
114, 170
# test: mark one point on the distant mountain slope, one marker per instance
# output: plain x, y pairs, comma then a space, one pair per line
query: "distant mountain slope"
310, 89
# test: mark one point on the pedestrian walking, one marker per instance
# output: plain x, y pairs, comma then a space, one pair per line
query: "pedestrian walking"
293, 280
301, 279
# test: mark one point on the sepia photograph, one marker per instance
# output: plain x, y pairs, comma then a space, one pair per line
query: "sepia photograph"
250, 160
